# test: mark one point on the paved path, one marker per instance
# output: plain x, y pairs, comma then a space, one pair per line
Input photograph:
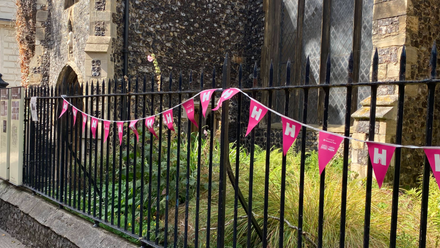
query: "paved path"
6, 241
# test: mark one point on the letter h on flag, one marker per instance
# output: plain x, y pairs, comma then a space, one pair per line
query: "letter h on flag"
290, 133
149, 122
380, 157
256, 113
94, 126
168, 119
65, 107
205, 96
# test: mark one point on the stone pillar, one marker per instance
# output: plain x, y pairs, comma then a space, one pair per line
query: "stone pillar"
99, 48
416, 25
384, 132
389, 36
35, 70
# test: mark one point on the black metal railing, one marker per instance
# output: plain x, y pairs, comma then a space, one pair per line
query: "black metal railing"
196, 189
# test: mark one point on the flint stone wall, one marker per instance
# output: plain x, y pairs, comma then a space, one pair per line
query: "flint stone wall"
190, 35
36, 223
423, 27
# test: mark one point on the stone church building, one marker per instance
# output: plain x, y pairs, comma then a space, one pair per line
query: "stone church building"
90, 39
78, 41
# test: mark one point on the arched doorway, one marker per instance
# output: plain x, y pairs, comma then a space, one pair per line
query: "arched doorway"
69, 85
68, 138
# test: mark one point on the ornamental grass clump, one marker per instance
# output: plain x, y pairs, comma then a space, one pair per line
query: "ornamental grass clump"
381, 204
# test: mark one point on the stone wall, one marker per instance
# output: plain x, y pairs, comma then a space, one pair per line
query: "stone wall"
190, 35
389, 36
415, 25
423, 28
52, 51
37, 223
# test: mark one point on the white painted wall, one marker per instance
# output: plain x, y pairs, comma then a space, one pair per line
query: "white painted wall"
9, 60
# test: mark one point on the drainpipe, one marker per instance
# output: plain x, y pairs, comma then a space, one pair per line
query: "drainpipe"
124, 83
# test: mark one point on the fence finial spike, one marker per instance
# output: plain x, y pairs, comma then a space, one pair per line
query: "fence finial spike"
201, 78
307, 76
402, 69
271, 74
433, 60
180, 81
226, 60
255, 70
350, 62
376, 55
240, 74
171, 80
327, 71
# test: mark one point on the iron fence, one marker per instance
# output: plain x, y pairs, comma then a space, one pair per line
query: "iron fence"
195, 188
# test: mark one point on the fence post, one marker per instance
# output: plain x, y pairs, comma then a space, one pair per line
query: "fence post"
428, 137
224, 157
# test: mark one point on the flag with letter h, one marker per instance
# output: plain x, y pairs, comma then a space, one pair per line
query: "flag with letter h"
149, 122
205, 96
380, 157
94, 126
256, 113
120, 126
290, 132
134, 129
226, 95
75, 113
65, 107
168, 119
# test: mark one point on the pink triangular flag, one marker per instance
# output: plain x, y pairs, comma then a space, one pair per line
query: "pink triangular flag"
327, 147
205, 96
106, 130
168, 119
65, 107
290, 133
226, 95
189, 108
133, 128
120, 126
84, 119
380, 157
149, 122
433, 155
75, 113
94, 126
256, 113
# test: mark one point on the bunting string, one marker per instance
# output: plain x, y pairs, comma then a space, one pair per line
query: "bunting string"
128, 121
269, 109
380, 154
